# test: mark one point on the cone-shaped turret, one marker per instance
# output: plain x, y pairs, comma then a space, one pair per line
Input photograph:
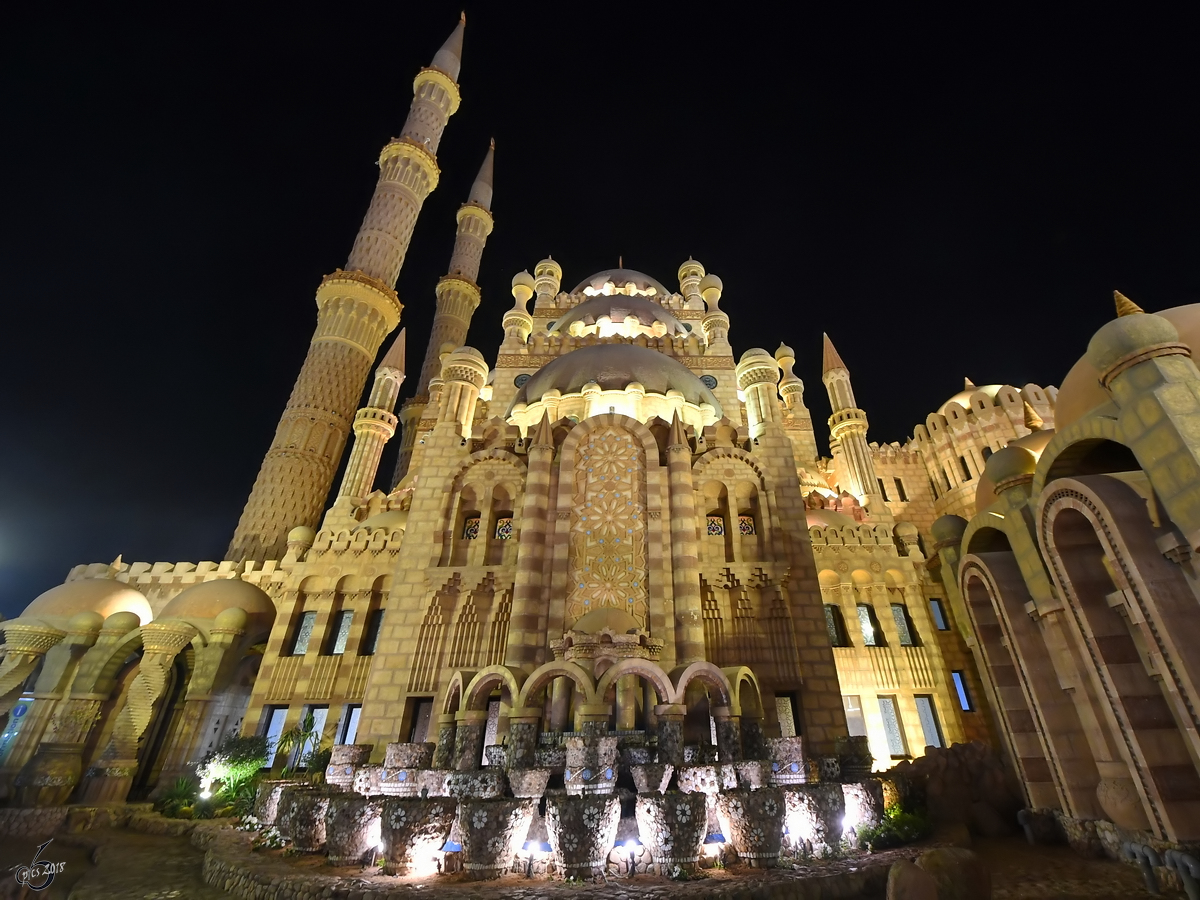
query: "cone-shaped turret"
831, 359
543, 435
449, 58
678, 437
1125, 306
1033, 421
481, 190
394, 358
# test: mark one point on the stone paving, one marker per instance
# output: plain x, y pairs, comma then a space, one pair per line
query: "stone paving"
121, 864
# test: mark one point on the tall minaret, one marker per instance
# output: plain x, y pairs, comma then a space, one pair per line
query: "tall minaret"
458, 297
357, 309
374, 426
848, 434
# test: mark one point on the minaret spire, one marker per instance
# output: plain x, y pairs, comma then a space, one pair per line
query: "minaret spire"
357, 309
848, 436
458, 297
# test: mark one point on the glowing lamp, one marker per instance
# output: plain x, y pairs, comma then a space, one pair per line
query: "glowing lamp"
451, 847
204, 795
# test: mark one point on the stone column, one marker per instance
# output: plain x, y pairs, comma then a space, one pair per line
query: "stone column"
670, 732
523, 736
754, 742
627, 691
468, 742
729, 734
685, 563
527, 622
594, 718
561, 691
447, 727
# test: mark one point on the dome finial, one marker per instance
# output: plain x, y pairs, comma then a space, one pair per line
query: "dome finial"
620, 262
1125, 306
114, 568
1033, 421
968, 384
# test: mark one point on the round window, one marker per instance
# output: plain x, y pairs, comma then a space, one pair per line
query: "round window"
708, 381
521, 380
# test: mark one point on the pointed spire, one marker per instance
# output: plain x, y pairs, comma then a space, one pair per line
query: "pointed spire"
678, 437
481, 190
1125, 306
968, 384
1033, 421
394, 358
114, 568
449, 58
543, 435
831, 358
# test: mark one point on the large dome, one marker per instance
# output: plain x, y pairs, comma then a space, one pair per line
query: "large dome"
963, 397
614, 367
620, 278
105, 596
1081, 392
617, 307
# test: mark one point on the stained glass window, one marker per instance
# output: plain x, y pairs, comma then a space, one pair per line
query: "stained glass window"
833, 622
304, 633
716, 526
866, 623
746, 524
504, 528
345, 617
471, 528
900, 614
891, 726
787, 719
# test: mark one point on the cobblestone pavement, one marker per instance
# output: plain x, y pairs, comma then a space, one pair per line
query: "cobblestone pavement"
128, 865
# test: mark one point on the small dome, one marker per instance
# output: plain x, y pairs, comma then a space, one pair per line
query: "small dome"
1081, 392
389, 520
100, 595
207, 600
1009, 463
1128, 334
823, 518
963, 397
616, 620
614, 367
622, 277
121, 623
232, 619
302, 534
949, 528
617, 307
85, 621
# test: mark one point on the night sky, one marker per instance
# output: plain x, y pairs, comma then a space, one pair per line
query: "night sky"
947, 197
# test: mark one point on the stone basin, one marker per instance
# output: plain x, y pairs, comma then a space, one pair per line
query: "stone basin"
673, 827
301, 817
267, 796
344, 761
582, 831
482, 784
492, 832
413, 831
753, 822
352, 829
528, 782
409, 756
652, 778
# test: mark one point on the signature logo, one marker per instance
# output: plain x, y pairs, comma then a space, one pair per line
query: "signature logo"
38, 875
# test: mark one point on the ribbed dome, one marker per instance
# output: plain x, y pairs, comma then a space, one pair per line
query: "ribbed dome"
209, 599
622, 277
617, 307
614, 367
100, 595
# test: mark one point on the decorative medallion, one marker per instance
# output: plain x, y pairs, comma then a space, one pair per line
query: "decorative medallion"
708, 381
522, 379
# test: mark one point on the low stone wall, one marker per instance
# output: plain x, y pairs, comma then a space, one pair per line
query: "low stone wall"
33, 822
230, 865
1099, 837
50, 820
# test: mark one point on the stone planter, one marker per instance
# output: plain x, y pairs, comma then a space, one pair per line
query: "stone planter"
266, 798
399, 782
49, 777
496, 755
752, 774
591, 764
413, 831
652, 778
366, 780
301, 818
553, 758
482, 784
352, 829
753, 822
813, 813
492, 832
700, 754
705, 779
637, 756
854, 754
433, 782
863, 802
787, 760
582, 831
344, 761
673, 827
528, 782
409, 756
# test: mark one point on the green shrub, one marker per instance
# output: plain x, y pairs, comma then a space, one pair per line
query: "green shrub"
235, 762
180, 795
241, 796
898, 827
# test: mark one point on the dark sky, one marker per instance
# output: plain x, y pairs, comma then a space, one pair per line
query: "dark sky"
945, 196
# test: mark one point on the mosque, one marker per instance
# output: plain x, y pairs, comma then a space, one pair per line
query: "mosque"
613, 519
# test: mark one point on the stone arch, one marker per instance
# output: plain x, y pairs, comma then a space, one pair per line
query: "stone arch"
98, 674
456, 690
1045, 737
710, 675
739, 677
1062, 456
643, 668
1123, 599
485, 682
545, 674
